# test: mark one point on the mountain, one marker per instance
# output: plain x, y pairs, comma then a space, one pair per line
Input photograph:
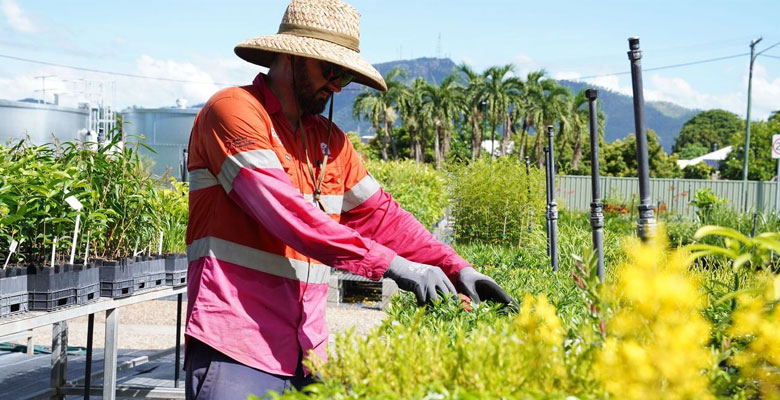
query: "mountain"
664, 118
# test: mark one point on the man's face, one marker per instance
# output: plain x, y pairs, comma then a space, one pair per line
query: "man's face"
311, 89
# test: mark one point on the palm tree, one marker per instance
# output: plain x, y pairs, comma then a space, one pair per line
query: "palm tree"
380, 107
531, 97
549, 109
471, 104
414, 116
500, 91
444, 102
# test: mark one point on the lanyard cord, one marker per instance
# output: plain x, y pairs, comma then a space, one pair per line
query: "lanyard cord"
326, 151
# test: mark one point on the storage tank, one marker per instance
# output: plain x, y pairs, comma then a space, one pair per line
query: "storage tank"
19, 119
167, 131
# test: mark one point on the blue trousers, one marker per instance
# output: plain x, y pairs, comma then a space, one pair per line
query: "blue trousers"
212, 375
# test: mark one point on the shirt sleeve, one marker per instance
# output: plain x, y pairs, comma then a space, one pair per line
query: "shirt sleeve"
238, 146
374, 213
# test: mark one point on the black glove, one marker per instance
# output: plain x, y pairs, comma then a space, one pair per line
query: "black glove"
480, 287
421, 279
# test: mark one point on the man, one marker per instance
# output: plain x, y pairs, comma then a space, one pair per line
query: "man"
277, 195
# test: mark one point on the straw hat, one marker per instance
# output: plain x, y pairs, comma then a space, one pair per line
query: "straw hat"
327, 30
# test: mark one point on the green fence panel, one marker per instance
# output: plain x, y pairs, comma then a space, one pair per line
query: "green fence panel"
668, 194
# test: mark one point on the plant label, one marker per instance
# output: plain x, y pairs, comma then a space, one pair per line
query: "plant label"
11, 251
74, 203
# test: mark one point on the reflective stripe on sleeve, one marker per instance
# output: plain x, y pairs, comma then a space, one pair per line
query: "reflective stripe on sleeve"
249, 159
258, 260
201, 179
360, 193
332, 202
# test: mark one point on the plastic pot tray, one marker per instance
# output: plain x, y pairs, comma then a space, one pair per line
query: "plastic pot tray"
87, 282
176, 270
117, 277
13, 291
51, 288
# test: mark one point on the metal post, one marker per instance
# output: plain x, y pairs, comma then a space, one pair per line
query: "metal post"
110, 354
178, 340
646, 225
59, 357
596, 206
88, 367
553, 209
547, 194
528, 186
183, 166
753, 44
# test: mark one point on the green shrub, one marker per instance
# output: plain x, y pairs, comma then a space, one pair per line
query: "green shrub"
419, 189
496, 202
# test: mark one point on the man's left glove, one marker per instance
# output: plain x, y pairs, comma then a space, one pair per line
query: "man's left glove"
480, 287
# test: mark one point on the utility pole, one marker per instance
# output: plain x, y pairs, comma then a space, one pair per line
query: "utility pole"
753, 44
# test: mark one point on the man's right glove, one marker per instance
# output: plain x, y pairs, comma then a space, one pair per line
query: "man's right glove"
421, 279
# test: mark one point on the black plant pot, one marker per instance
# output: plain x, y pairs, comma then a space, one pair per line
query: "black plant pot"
176, 270
13, 291
87, 282
116, 277
51, 288
156, 272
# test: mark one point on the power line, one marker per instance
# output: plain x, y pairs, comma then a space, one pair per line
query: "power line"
770, 56
112, 73
668, 66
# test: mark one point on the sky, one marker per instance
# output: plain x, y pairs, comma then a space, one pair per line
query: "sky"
193, 41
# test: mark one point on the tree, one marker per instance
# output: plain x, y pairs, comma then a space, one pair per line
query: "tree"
500, 92
620, 158
550, 107
415, 117
710, 129
380, 108
472, 101
761, 166
444, 102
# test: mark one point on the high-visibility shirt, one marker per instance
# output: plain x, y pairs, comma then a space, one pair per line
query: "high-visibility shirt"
260, 251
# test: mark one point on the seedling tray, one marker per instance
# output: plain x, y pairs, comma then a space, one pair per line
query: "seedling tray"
116, 278
13, 291
51, 288
156, 275
176, 270
87, 282
140, 271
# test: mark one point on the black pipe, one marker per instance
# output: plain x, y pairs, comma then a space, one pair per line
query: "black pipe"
596, 206
646, 225
547, 195
88, 367
530, 215
176, 374
552, 209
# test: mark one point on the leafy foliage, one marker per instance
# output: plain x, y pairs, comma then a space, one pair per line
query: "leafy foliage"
419, 189
707, 131
496, 201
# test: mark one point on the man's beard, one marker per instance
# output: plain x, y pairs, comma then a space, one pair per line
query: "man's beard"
305, 91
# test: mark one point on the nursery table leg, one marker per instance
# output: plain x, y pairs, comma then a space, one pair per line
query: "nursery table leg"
88, 368
110, 354
59, 357
178, 340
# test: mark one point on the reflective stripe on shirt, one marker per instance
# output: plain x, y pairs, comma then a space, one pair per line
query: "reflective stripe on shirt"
249, 159
202, 179
257, 260
360, 193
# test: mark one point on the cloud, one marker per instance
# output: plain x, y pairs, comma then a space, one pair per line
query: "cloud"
16, 17
611, 83
199, 88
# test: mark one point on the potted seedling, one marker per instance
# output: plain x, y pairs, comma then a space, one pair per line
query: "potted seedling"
13, 286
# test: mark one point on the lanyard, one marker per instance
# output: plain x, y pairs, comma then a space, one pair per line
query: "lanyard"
318, 182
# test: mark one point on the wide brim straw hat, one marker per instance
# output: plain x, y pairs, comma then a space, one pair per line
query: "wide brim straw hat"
326, 30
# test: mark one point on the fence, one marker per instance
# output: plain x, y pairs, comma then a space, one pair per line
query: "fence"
672, 195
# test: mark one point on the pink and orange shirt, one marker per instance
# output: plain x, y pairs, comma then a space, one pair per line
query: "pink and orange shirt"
260, 251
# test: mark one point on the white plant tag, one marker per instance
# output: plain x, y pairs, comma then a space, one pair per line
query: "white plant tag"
161, 242
74, 203
11, 251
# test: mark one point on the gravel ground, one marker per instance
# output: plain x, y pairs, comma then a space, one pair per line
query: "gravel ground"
151, 325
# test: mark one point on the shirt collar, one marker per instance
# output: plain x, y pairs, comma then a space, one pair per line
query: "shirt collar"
271, 103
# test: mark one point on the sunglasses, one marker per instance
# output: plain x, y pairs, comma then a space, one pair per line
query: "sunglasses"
332, 72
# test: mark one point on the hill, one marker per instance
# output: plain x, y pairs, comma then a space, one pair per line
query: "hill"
664, 118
